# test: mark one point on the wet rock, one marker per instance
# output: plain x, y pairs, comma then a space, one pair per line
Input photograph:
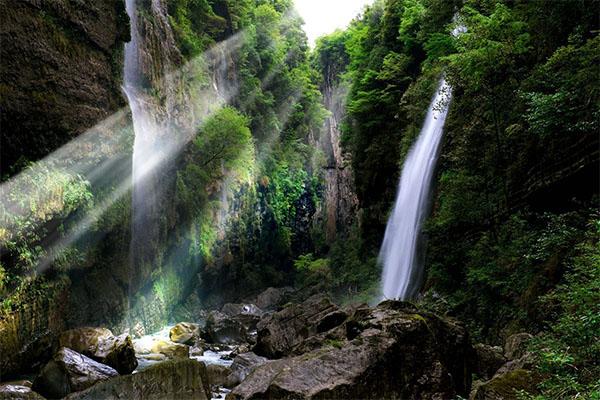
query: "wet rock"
504, 386
272, 298
488, 359
101, 345
217, 374
221, 328
242, 366
397, 352
279, 332
18, 390
70, 371
247, 314
185, 333
170, 350
176, 379
516, 345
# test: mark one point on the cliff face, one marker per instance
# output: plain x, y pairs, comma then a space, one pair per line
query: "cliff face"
340, 203
60, 72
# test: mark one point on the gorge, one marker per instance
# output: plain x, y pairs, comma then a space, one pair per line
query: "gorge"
196, 202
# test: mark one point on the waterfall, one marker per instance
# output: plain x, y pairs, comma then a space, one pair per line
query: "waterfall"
398, 254
146, 152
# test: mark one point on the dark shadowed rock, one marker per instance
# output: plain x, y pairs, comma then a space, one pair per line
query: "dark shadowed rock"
217, 374
488, 359
221, 328
185, 333
516, 345
101, 345
242, 366
396, 352
279, 332
247, 314
70, 371
272, 298
18, 390
170, 380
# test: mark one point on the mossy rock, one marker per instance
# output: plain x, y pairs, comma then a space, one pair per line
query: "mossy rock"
506, 386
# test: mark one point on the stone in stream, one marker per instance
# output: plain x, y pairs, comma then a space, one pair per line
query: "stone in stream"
101, 345
169, 380
395, 352
223, 329
70, 371
152, 346
184, 333
18, 390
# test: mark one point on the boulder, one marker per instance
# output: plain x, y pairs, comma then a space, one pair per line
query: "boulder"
505, 386
247, 314
488, 359
101, 345
279, 332
171, 350
516, 345
242, 366
185, 333
175, 379
221, 328
396, 352
18, 390
272, 298
70, 371
217, 374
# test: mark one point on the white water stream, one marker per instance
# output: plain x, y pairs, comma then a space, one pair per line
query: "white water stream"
399, 251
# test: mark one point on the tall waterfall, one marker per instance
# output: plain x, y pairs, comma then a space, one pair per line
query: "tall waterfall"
145, 150
398, 254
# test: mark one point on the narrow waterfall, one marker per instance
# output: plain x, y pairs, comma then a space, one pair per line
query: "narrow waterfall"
145, 155
398, 254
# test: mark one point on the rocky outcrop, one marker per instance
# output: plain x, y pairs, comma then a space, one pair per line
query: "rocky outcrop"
272, 298
101, 345
279, 332
70, 371
390, 351
515, 345
180, 379
246, 314
60, 71
488, 359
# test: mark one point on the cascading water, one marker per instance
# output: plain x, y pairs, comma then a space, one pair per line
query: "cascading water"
398, 253
145, 151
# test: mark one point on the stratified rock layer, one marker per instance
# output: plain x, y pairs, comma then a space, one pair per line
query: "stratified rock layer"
391, 351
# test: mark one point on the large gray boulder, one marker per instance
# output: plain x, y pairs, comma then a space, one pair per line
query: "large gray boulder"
247, 314
279, 332
70, 371
221, 328
273, 298
390, 351
101, 345
488, 360
173, 380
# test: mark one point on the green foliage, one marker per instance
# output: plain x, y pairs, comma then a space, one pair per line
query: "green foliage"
568, 354
41, 197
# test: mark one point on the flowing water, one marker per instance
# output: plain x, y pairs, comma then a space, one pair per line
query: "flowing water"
399, 251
